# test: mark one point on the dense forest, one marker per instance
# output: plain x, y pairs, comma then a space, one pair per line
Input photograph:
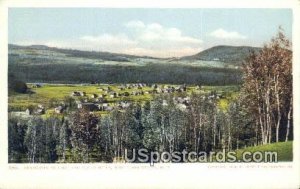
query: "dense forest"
150, 73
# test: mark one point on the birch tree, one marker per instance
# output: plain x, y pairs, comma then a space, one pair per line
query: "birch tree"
268, 86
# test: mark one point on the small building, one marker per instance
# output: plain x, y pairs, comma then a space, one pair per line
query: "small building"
154, 86
75, 93
113, 94
40, 106
94, 96
82, 93
29, 111
40, 111
59, 109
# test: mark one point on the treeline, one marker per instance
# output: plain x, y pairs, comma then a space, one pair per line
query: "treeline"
149, 73
159, 125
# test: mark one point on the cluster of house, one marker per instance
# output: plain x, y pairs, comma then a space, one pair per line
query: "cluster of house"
134, 85
111, 94
169, 89
100, 103
78, 93
108, 92
181, 102
40, 110
90, 106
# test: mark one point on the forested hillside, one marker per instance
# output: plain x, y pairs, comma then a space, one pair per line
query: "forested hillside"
228, 54
52, 65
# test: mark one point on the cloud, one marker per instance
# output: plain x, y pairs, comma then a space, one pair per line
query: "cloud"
155, 32
223, 34
136, 38
156, 40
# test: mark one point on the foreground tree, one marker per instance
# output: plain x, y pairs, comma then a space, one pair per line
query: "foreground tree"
84, 127
64, 142
16, 135
268, 87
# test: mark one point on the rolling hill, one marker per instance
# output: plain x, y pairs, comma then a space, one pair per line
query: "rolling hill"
38, 63
105, 56
227, 54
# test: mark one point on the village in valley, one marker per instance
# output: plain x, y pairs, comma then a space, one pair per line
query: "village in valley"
103, 98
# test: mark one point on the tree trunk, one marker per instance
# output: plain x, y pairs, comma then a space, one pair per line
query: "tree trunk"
289, 121
278, 110
260, 115
64, 149
214, 130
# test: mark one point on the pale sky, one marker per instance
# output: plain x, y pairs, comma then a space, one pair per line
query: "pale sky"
151, 32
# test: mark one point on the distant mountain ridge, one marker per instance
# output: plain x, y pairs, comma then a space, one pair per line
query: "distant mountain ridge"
223, 53
83, 54
43, 64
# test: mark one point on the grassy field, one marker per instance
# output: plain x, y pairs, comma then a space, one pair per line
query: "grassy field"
46, 93
284, 150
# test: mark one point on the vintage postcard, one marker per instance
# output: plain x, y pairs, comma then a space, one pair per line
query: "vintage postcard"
149, 95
